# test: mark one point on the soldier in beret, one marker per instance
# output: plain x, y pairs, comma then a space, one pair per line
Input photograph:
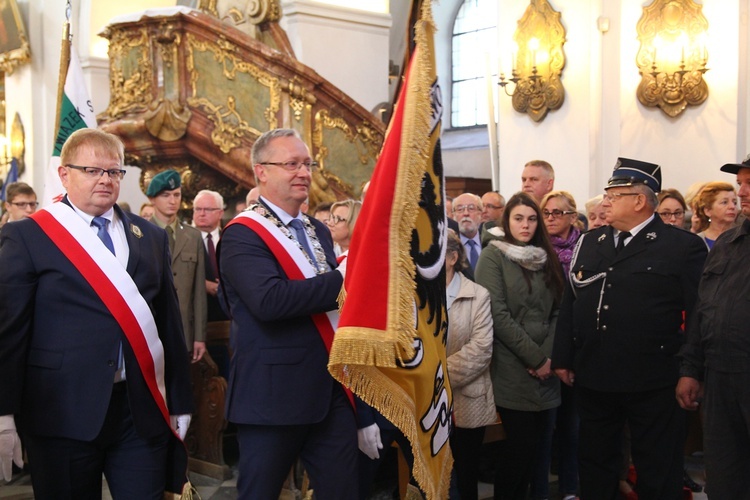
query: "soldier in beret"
618, 333
188, 258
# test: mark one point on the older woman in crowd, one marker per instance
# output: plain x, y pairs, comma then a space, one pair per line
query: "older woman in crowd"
525, 283
469, 352
595, 212
716, 206
672, 207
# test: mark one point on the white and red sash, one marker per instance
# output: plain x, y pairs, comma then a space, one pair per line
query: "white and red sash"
116, 289
295, 264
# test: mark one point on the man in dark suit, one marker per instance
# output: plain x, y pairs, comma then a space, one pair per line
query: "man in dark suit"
279, 276
618, 333
93, 366
208, 209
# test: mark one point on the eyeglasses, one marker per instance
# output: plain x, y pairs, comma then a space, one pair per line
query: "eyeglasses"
115, 174
613, 196
205, 210
335, 219
468, 208
493, 207
25, 204
293, 166
556, 213
668, 215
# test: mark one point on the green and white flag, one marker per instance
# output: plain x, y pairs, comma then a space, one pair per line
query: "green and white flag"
76, 112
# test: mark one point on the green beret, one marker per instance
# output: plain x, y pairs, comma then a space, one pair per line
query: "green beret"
163, 181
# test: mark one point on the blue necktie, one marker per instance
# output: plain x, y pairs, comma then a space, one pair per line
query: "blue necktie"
473, 254
299, 230
101, 225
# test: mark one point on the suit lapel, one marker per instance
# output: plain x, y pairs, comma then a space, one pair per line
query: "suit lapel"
642, 240
606, 245
133, 234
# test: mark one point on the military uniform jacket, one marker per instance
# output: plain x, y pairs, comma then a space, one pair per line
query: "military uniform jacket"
620, 322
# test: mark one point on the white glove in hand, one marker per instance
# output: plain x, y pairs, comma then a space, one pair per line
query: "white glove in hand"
10, 446
369, 441
180, 424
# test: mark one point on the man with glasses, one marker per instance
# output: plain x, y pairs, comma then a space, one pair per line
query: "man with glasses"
716, 357
20, 201
493, 206
280, 277
618, 333
188, 258
208, 209
92, 360
467, 211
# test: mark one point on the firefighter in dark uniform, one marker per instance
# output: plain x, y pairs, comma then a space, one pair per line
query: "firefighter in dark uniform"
620, 327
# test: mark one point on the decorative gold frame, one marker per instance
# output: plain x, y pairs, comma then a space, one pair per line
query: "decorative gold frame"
676, 84
538, 89
14, 46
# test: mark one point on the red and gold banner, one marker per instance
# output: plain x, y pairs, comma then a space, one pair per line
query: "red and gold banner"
389, 348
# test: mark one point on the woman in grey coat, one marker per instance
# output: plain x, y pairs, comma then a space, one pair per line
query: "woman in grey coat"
523, 277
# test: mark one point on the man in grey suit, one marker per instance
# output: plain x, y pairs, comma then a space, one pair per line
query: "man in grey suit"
188, 260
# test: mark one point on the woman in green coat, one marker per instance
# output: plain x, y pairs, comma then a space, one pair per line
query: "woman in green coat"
523, 277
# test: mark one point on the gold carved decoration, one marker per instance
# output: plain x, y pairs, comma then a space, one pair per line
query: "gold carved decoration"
229, 124
263, 11
14, 45
672, 56
538, 62
167, 120
131, 71
364, 144
18, 143
300, 99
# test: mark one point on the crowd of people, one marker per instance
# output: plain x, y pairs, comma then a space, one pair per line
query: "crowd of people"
593, 329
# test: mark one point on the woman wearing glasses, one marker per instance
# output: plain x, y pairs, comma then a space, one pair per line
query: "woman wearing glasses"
561, 219
525, 282
672, 207
716, 205
341, 222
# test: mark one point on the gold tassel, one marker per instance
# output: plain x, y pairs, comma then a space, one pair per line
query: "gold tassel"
188, 493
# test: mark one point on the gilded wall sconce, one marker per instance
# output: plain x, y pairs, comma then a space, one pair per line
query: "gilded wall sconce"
672, 56
537, 61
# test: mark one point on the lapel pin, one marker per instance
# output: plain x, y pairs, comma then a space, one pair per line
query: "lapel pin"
651, 236
601, 238
136, 231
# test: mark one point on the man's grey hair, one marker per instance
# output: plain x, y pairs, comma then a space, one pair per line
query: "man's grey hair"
651, 198
259, 151
219, 198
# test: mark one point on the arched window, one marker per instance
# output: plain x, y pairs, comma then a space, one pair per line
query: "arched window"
474, 36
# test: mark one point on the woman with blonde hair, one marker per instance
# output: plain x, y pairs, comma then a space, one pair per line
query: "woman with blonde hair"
341, 222
595, 212
716, 206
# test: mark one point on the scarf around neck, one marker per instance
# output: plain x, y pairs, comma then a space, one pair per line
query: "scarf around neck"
564, 248
528, 256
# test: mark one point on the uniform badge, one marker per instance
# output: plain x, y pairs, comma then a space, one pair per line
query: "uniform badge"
651, 236
136, 231
601, 238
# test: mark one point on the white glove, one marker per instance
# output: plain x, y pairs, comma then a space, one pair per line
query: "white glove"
369, 441
10, 446
180, 424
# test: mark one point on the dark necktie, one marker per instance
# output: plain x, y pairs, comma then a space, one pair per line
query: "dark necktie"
212, 255
299, 229
170, 233
624, 235
100, 223
473, 253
